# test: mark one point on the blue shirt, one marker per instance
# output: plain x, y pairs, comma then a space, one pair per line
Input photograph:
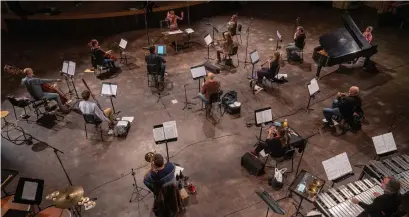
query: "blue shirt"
164, 175
33, 86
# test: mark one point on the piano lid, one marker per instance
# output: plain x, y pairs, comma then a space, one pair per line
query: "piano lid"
344, 41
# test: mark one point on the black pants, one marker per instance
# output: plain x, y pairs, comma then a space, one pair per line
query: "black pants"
260, 147
263, 73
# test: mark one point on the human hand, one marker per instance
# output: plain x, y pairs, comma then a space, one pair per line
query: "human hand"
58, 80
355, 201
376, 194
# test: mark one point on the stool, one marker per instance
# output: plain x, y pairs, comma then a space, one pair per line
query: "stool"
4, 114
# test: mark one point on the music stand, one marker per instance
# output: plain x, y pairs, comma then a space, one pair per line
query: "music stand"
68, 71
122, 46
313, 90
254, 58
262, 117
337, 168
164, 133
271, 203
110, 90
279, 38
209, 41
384, 145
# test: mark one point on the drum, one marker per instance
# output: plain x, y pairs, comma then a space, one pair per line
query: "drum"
7, 203
54, 212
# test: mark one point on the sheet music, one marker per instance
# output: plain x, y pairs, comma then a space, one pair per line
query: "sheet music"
189, 30
254, 57
123, 43
122, 123
109, 89
158, 134
313, 87
281, 76
337, 166
278, 35
175, 32
71, 68
208, 39
130, 119
178, 169
170, 129
198, 72
384, 143
29, 190
264, 116
65, 67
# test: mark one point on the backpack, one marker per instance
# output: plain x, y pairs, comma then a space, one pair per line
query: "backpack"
229, 97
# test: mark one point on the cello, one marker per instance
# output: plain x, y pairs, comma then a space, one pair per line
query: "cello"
46, 87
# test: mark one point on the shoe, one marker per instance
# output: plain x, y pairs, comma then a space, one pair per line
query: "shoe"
110, 132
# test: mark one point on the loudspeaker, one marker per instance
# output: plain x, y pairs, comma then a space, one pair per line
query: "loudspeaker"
211, 68
253, 165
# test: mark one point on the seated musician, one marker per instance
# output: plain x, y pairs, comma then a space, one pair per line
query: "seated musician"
160, 173
225, 48
97, 52
383, 205
299, 39
232, 25
271, 71
89, 107
345, 106
209, 87
368, 34
173, 19
153, 58
35, 89
276, 144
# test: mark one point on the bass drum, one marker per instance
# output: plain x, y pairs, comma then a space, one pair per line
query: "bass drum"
54, 212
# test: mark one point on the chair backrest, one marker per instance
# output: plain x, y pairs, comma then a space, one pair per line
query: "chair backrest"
153, 64
91, 119
152, 69
234, 50
277, 71
12, 100
98, 58
239, 28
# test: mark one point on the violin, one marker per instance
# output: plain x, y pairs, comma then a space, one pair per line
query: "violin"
45, 87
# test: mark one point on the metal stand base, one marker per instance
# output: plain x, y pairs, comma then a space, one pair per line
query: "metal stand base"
137, 191
187, 102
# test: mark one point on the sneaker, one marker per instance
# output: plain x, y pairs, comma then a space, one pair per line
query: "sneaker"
110, 132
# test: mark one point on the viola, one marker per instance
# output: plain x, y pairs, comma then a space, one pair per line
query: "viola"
46, 87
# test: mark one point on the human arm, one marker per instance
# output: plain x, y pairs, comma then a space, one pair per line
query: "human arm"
181, 16
271, 132
43, 81
100, 114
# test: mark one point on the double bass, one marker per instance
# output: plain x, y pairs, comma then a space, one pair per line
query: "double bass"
46, 87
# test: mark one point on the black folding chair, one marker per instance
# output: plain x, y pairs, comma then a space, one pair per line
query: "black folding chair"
94, 120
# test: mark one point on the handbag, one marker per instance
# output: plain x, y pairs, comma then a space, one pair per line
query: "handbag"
277, 180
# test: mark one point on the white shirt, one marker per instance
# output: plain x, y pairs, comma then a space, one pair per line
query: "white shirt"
88, 107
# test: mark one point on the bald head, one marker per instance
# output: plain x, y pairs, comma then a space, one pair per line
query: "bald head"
28, 71
210, 76
353, 91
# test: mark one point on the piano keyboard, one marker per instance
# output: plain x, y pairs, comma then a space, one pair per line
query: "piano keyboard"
336, 202
396, 166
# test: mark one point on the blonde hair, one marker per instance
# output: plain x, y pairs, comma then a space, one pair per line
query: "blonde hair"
210, 76
28, 70
283, 136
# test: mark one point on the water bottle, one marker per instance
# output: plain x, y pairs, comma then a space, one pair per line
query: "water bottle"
285, 124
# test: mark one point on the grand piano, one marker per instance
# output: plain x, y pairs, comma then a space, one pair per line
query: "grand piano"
342, 45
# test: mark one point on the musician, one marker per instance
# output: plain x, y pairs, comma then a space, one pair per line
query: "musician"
89, 107
271, 71
232, 25
160, 173
153, 58
368, 34
299, 39
33, 86
276, 144
383, 205
345, 105
225, 47
209, 87
97, 52
173, 19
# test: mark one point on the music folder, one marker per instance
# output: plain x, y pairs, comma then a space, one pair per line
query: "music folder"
313, 87
166, 132
198, 72
68, 67
337, 167
271, 203
254, 57
123, 43
384, 143
208, 39
263, 116
29, 191
109, 89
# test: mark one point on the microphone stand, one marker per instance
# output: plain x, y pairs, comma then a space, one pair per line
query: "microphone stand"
187, 102
146, 22
56, 151
247, 43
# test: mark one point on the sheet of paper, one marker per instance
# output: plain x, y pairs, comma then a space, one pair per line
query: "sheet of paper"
343, 164
178, 169
130, 119
71, 68
278, 35
281, 76
122, 123
337, 166
263, 153
313, 87
65, 67
208, 39
331, 169
254, 57
158, 134
389, 142
109, 89
174, 101
171, 131
175, 32
379, 144
189, 30
123, 43
29, 190
198, 72
264, 116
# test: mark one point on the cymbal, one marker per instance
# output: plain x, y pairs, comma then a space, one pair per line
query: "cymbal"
69, 197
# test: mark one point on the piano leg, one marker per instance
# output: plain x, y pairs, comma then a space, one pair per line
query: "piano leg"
318, 71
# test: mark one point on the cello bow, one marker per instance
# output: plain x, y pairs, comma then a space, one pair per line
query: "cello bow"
86, 86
